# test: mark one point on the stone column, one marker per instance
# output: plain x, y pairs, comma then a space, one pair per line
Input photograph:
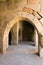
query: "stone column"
20, 27
36, 37
40, 46
17, 32
14, 35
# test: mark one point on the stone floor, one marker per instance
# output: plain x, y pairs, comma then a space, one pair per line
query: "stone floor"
22, 54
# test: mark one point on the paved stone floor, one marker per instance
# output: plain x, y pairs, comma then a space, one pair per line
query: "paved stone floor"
22, 54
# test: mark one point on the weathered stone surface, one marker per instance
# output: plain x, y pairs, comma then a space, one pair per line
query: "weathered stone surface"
36, 37
34, 4
40, 46
33, 1
14, 34
41, 6
9, 16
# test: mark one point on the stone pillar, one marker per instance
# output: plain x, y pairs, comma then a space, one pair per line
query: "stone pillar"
20, 28
17, 32
36, 37
14, 35
40, 46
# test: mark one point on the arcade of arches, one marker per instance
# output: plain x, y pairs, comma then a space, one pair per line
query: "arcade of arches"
21, 23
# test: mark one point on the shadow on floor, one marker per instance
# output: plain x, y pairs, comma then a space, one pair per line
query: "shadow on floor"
27, 43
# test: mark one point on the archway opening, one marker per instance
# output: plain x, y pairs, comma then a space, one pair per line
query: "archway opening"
26, 36
17, 19
26, 33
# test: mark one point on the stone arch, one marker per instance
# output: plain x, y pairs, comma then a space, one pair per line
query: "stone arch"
18, 17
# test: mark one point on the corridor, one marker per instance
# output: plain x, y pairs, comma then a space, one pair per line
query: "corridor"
25, 53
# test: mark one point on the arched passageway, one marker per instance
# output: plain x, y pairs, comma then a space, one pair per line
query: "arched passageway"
18, 17
26, 32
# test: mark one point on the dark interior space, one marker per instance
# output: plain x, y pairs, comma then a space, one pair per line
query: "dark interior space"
10, 38
28, 31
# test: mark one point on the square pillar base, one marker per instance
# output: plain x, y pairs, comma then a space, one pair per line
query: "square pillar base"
41, 52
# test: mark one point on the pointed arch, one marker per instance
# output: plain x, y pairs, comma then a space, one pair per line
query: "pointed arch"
18, 17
